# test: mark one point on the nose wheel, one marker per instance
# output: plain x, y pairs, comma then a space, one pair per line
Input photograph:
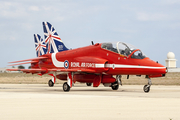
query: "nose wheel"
146, 88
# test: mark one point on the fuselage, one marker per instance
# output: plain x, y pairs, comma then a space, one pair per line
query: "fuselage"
102, 61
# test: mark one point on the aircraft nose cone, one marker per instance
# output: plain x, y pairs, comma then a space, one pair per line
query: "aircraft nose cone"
163, 70
159, 71
166, 70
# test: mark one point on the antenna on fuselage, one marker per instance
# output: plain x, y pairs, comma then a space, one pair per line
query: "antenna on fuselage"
92, 42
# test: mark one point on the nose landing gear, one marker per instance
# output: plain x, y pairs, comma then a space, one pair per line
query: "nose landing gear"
146, 88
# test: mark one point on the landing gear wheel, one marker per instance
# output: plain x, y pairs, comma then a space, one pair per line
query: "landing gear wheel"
66, 87
146, 88
50, 83
88, 84
115, 86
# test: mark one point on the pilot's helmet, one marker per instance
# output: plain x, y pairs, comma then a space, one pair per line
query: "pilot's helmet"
109, 46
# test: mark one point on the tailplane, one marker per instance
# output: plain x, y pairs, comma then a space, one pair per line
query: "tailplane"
53, 42
39, 45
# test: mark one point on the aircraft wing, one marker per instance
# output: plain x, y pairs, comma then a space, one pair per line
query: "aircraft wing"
38, 58
29, 70
23, 63
44, 71
20, 62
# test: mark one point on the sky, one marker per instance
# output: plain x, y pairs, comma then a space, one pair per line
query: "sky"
151, 25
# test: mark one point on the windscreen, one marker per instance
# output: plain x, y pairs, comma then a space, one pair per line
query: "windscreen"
138, 55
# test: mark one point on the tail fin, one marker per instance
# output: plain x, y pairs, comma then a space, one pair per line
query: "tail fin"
39, 45
53, 41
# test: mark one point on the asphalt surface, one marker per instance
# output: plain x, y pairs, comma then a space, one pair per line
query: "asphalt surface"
40, 102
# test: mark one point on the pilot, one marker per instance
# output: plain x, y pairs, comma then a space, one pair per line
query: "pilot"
109, 46
140, 55
126, 52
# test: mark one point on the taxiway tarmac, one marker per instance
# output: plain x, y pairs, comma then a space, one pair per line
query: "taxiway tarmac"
38, 101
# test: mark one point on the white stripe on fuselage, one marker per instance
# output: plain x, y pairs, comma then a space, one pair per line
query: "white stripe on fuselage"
131, 66
99, 66
56, 62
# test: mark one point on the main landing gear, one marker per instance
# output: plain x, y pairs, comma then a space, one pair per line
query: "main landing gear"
88, 84
66, 87
50, 83
115, 85
146, 88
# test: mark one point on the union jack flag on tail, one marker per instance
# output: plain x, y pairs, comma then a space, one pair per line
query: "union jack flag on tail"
39, 45
53, 42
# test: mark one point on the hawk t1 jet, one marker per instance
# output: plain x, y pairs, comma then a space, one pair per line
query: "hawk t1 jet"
100, 63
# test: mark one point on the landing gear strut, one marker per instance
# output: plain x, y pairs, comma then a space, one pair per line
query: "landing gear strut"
50, 83
146, 88
118, 79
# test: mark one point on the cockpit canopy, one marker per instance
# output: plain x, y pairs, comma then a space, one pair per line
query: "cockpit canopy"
124, 49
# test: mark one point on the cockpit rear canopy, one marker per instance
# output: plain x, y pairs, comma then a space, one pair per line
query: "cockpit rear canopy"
124, 49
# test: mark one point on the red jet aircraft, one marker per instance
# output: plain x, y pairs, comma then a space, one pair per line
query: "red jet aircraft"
94, 64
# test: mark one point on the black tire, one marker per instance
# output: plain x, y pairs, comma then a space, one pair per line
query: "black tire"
115, 86
50, 83
88, 84
146, 88
66, 87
